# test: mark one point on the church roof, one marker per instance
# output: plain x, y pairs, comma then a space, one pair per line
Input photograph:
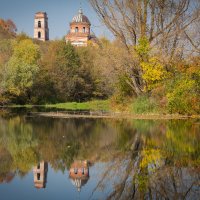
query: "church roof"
79, 183
80, 17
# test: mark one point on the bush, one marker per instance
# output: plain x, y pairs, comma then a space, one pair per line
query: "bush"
182, 96
144, 105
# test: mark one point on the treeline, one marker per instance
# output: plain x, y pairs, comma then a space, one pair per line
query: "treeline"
34, 72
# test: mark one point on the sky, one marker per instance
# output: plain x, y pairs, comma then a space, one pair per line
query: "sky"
60, 14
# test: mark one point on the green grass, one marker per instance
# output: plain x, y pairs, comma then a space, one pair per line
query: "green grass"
20, 106
90, 105
144, 105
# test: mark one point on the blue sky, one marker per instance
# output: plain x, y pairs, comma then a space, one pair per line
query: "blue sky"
60, 13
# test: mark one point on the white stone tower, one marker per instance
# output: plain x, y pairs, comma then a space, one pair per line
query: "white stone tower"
41, 30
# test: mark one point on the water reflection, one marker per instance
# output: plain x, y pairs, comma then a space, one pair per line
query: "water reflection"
79, 174
40, 175
131, 159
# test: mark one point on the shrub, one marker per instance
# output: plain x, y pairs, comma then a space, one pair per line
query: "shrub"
182, 96
144, 104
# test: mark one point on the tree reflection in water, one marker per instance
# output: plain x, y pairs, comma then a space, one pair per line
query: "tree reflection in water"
143, 159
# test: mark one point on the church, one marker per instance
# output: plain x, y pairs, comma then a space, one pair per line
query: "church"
80, 30
78, 35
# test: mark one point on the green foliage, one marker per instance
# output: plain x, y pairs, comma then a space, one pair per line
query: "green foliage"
143, 48
182, 97
6, 47
22, 36
22, 67
66, 56
123, 91
71, 80
91, 105
124, 88
70, 152
181, 142
34, 72
46, 92
144, 105
25, 51
20, 143
5, 54
143, 126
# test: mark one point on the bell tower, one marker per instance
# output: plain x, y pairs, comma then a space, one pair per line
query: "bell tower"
41, 30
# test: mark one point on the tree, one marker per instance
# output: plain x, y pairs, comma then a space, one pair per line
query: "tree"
7, 28
93, 83
6, 51
131, 20
163, 23
22, 68
61, 63
112, 64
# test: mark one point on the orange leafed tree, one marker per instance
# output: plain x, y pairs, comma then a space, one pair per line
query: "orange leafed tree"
8, 26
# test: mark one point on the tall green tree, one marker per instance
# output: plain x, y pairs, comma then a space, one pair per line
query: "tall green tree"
61, 63
22, 68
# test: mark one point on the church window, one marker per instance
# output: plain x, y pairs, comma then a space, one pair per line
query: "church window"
75, 171
76, 30
39, 24
83, 171
38, 176
39, 34
84, 30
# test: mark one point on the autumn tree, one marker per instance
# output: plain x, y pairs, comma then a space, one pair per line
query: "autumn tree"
92, 70
7, 28
163, 23
22, 68
6, 51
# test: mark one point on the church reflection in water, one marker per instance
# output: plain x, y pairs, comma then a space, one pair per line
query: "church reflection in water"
40, 175
79, 173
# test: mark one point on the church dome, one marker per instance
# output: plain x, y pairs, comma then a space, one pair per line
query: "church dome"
80, 18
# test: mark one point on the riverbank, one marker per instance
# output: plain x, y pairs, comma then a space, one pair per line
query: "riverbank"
103, 105
112, 115
90, 105
98, 109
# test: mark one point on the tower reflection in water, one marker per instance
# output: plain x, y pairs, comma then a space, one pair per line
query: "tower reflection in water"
79, 173
40, 175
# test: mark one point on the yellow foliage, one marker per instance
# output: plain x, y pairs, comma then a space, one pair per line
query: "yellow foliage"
180, 144
153, 72
149, 157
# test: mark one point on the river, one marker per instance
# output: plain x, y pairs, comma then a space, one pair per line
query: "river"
51, 158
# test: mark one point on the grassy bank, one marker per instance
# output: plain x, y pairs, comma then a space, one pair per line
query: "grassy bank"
90, 105
141, 107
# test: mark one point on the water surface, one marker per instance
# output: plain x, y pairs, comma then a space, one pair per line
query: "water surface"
47, 158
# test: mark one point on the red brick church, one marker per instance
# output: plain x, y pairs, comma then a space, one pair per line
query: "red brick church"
80, 31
